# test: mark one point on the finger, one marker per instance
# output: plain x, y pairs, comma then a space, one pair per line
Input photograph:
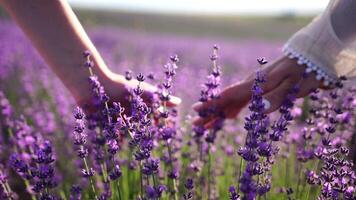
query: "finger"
174, 101
308, 85
231, 101
282, 69
210, 124
241, 88
197, 121
238, 95
275, 72
274, 99
230, 95
207, 122
207, 115
228, 112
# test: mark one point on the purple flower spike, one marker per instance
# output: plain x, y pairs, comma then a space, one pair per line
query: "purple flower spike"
86, 54
233, 194
128, 75
115, 173
140, 77
150, 166
262, 61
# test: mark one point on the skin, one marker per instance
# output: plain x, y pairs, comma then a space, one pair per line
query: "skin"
281, 74
60, 39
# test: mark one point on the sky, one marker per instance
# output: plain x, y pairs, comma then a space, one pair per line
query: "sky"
242, 7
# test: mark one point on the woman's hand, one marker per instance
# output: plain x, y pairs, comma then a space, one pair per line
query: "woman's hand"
281, 74
61, 42
117, 88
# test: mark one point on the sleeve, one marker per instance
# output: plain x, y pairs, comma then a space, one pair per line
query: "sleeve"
327, 45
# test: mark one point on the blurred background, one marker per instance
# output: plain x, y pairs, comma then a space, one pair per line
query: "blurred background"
140, 35
267, 19
233, 19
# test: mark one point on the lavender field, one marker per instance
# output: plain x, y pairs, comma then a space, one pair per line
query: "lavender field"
50, 149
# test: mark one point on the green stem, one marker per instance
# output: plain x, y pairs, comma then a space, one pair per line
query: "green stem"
5, 190
141, 180
316, 166
90, 178
129, 175
7, 186
172, 168
11, 135
303, 190
209, 169
200, 149
119, 190
155, 183
175, 190
28, 186
104, 171
62, 194
308, 191
286, 178
298, 182
239, 176
90, 71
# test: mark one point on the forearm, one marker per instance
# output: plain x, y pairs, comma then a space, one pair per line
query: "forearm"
326, 46
59, 37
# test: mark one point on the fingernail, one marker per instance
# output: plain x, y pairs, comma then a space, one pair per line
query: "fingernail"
266, 104
196, 105
176, 100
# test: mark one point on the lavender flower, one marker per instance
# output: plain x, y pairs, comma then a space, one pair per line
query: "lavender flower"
82, 151
155, 192
150, 166
189, 186
75, 192
115, 173
112, 139
256, 128
233, 193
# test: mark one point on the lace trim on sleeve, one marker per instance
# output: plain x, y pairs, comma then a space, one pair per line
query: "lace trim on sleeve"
321, 74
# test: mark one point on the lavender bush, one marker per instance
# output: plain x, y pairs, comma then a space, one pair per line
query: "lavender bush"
52, 149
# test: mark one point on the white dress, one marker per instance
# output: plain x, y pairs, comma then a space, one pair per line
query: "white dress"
327, 45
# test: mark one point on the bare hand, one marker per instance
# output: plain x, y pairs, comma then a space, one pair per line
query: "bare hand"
117, 88
281, 74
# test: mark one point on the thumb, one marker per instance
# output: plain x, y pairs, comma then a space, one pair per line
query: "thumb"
274, 99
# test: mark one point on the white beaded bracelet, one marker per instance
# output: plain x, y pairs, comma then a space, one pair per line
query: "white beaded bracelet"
321, 74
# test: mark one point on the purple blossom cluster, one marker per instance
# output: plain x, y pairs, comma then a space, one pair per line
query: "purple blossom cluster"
256, 145
333, 172
34, 162
108, 150
259, 151
5, 190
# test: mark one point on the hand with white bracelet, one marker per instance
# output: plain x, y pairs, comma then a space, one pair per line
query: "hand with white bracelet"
281, 75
